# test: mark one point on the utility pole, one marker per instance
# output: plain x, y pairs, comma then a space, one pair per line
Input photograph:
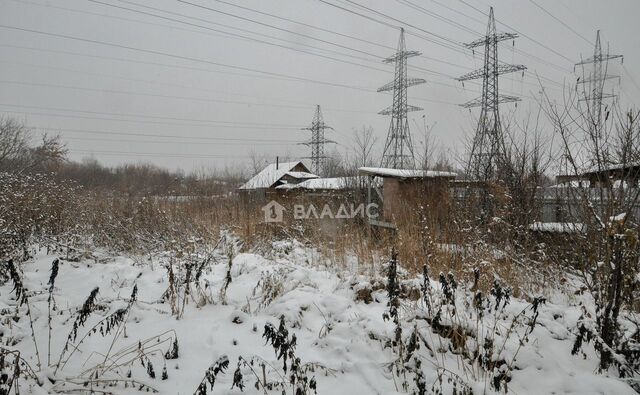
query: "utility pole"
398, 148
488, 148
593, 84
317, 142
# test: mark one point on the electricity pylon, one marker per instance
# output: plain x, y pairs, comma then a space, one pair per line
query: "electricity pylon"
593, 84
317, 142
398, 149
488, 149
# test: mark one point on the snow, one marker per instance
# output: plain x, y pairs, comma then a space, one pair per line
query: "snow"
301, 174
557, 227
316, 297
571, 184
404, 173
335, 183
269, 175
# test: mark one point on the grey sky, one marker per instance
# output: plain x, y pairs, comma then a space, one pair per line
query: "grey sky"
41, 74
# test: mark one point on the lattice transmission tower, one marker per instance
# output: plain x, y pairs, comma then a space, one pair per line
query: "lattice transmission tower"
398, 148
593, 83
488, 149
317, 142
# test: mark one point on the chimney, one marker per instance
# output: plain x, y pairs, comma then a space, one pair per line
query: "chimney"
277, 162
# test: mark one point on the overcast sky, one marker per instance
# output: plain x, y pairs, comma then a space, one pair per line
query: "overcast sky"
160, 77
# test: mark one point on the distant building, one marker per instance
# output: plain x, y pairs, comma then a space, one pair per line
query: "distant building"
273, 176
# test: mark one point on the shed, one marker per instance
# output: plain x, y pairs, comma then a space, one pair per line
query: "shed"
400, 188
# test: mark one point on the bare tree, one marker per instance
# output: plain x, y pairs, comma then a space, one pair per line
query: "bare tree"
428, 146
363, 143
14, 142
258, 162
600, 150
334, 165
17, 154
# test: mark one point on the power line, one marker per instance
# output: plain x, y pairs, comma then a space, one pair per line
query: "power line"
404, 23
158, 154
305, 24
192, 59
436, 42
264, 42
289, 31
328, 31
301, 105
522, 34
220, 124
630, 77
224, 33
299, 79
303, 35
519, 51
24, 2
458, 25
564, 24
459, 12
240, 36
128, 60
425, 11
271, 26
524, 53
271, 74
454, 47
175, 143
132, 93
201, 140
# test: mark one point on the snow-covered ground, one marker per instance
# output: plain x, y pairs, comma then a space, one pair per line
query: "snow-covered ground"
341, 333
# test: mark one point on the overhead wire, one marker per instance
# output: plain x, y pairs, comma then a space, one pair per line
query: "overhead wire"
563, 23
179, 21
522, 34
158, 154
200, 139
161, 120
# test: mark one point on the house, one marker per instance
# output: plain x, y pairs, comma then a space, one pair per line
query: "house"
273, 176
404, 189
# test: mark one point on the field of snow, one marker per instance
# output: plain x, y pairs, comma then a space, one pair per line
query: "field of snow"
343, 336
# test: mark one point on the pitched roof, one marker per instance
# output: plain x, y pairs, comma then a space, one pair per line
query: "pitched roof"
404, 173
270, 175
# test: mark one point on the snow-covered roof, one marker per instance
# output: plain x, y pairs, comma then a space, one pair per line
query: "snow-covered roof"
269, 175
301, 174
611, 167
405, 173
335, 183
558, 227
